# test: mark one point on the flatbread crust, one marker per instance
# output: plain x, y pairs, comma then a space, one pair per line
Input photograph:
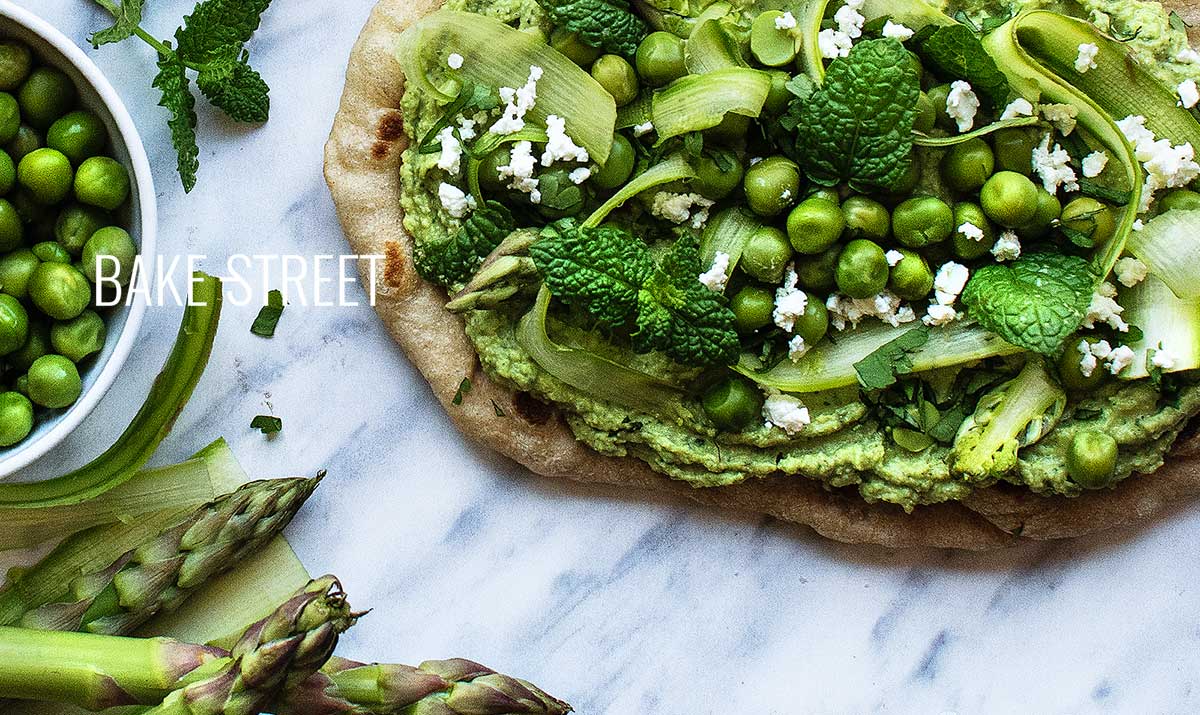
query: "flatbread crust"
362, 159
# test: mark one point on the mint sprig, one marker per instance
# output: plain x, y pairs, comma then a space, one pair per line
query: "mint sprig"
210, 42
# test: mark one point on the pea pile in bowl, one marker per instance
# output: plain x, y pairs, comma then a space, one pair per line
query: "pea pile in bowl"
60, 201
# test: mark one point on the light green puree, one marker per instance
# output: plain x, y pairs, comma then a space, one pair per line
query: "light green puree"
843, 446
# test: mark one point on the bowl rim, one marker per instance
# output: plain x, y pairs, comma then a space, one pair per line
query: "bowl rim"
144, 180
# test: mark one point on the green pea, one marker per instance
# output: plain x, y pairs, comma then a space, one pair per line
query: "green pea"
79, 337
866, 218
8, 172
110, 245
732, 129
12, 229
1048, 210
10, 117
718, 173
102, 181
965, 247
37, 217
813, 323
36, 345
815, 225
79, 135
76, 224
862, 269
659, 59
1089, 217
616, 76
926, 114
1183, 199
54, 381
14, 324
1010, 199
911, 278
937, 97
770, 45
26, 140
733, 403
818, 273
921, 221
1092, 459
914, 62
1070, 367
575, 49
907, 185
766, 254
618, 167
489, 174
966, 166
771, 185
46, 95
15, 270
47, 174
828, 193
778, 96
16, 418
752, 308
21, 384
561, 197
51, 252
1013, 149
15, 63
59, 290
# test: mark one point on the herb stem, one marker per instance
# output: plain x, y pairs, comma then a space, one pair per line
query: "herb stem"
161, 47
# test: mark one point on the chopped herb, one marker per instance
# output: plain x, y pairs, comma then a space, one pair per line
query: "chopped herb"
268, 315
1077, 237
499, 411
881, 368
1178, 23
1085, 415
1096, 190
463, 388
956, 51
267, 424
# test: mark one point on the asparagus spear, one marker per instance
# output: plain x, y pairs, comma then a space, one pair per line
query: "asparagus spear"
162, 572
98, 672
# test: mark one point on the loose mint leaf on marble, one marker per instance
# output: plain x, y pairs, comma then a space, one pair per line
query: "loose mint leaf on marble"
267, 424
172, 81
268, 315
890, 360
217, 25
232, 86
127, 17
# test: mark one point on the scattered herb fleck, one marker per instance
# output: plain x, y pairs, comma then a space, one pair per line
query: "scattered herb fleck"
463, 388
880, 369
267, 424
499, 411
268, 315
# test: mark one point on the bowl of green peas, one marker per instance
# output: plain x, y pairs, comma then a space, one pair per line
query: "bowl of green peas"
76, 213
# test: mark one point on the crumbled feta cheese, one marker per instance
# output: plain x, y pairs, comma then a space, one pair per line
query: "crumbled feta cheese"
641, 130
790, 301
678, 208
1086, 59
834, 43
456, 202
962, 104
897, 31
886, 306
785, 195
1094, 163
1188, 55
1137, 225
1101, 349
1104, 309
580, 175
786, 21
521, 163
755, 159
893, 257
717, 275
949, 282
1189, 95
1087, 361
1130, 271
1007, 247
971, 231
938, 314
517, 102
466, 128
849, 20
451, 157
455, 61
1163, 358
1166, 166
797, 348
1120, 358
1053, 166
1019, 107
1106, 289
785, 412
1064, 117
559, 146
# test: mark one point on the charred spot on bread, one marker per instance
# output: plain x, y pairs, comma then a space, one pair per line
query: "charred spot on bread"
531, 409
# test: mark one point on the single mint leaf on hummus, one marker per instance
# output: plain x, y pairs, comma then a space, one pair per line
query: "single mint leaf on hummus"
608, 24
857, 127
890, 360
956, 51
127, 16
453, 261
1035, 303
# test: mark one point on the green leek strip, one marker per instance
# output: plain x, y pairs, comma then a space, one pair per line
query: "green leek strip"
91, 550
830, 364
150, 425
924, 140
913, 14
1167, 322
710, 47
672, 169
489, 143
179, 486
809, 15
727, 232
496, 55
1037, 73
1170, 245
594, 375
697, 102
636, 112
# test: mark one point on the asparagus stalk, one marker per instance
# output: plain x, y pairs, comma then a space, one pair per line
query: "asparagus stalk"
98, 672
163, 571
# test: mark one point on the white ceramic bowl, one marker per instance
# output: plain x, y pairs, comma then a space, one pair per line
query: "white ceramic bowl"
54, 48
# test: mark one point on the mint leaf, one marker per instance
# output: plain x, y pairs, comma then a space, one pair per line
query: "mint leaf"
454, 261
215, 26
267, 424
268, 315
956, 51
172, 81
858, 126
890, 360
608, 24
127, 16
235, 88
463, 388
1036, 302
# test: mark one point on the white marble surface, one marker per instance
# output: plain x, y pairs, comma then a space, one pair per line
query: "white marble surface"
619, 604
